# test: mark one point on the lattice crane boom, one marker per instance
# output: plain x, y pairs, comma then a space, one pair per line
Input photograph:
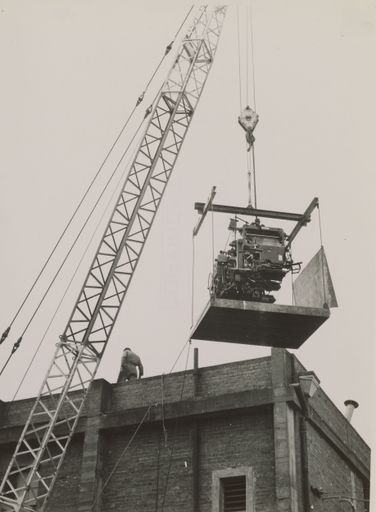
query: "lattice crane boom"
52, 421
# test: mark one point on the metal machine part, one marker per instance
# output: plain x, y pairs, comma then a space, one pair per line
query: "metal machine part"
255, 264
248, 120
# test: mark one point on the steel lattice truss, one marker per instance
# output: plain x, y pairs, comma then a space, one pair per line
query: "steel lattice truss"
52, 421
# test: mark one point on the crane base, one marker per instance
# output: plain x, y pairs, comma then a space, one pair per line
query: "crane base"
256, 323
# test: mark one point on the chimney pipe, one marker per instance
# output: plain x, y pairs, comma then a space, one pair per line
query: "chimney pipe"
350, 406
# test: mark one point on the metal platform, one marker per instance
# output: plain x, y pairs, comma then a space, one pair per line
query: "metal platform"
256, 323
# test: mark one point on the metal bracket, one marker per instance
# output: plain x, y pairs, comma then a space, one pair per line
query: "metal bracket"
253, 212
208, 206
306, 217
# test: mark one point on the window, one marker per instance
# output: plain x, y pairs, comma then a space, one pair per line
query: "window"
232, 490
233, 494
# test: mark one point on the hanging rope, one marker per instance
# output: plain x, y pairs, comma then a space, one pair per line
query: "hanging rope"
180, 353
122, 455
163, 412
322, 255
254, 174
249, 176
134, 435
212, 239
175, 431
293, 298
109, 152
292, 290
157, 483
193, 281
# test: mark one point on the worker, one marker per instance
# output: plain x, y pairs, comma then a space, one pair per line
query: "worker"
130, 362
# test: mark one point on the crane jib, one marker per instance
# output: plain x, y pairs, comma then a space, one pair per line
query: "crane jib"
52, 421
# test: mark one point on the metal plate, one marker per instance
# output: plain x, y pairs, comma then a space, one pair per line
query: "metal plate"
255, 323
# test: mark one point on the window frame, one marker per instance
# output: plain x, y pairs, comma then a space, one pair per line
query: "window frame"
217, 490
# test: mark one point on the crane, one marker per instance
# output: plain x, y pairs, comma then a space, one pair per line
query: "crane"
40, 451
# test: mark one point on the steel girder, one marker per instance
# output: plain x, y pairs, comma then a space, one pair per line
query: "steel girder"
51, 424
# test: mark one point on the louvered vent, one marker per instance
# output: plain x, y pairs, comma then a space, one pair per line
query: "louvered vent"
234, 494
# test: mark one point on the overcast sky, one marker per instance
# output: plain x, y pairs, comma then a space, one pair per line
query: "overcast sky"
71, 73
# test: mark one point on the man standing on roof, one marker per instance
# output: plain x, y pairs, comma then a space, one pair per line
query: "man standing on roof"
130, 362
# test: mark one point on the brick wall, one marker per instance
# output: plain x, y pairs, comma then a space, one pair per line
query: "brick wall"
141, 475
135, 393
230, 435
64, 497
330, 471
214, 380
334, 418
239, 376
245, 440
325, 408
140, 478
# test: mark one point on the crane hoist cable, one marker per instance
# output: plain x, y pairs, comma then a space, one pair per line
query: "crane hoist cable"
128, 445
239, 58
254, 98
247, 56
164, 433
252, 54
157, 476
17, 344
109, 203
175, 430
248, 118
108, 154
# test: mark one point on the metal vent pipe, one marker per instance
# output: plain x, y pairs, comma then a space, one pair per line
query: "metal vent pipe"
351, 405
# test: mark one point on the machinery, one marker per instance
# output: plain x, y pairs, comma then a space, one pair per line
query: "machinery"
259, 257
254, 265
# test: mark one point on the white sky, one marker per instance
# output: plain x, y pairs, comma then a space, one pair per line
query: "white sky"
71, 73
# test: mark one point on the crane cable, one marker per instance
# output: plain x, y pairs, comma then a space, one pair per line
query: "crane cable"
139, 100
254, 99
19, 340
128, 445
122, 454
252, 55
175, 430
16, 345
119, 183
239, 59
322, 256
249, 63
157, 477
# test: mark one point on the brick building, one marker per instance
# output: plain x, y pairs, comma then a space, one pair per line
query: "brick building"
233, 437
